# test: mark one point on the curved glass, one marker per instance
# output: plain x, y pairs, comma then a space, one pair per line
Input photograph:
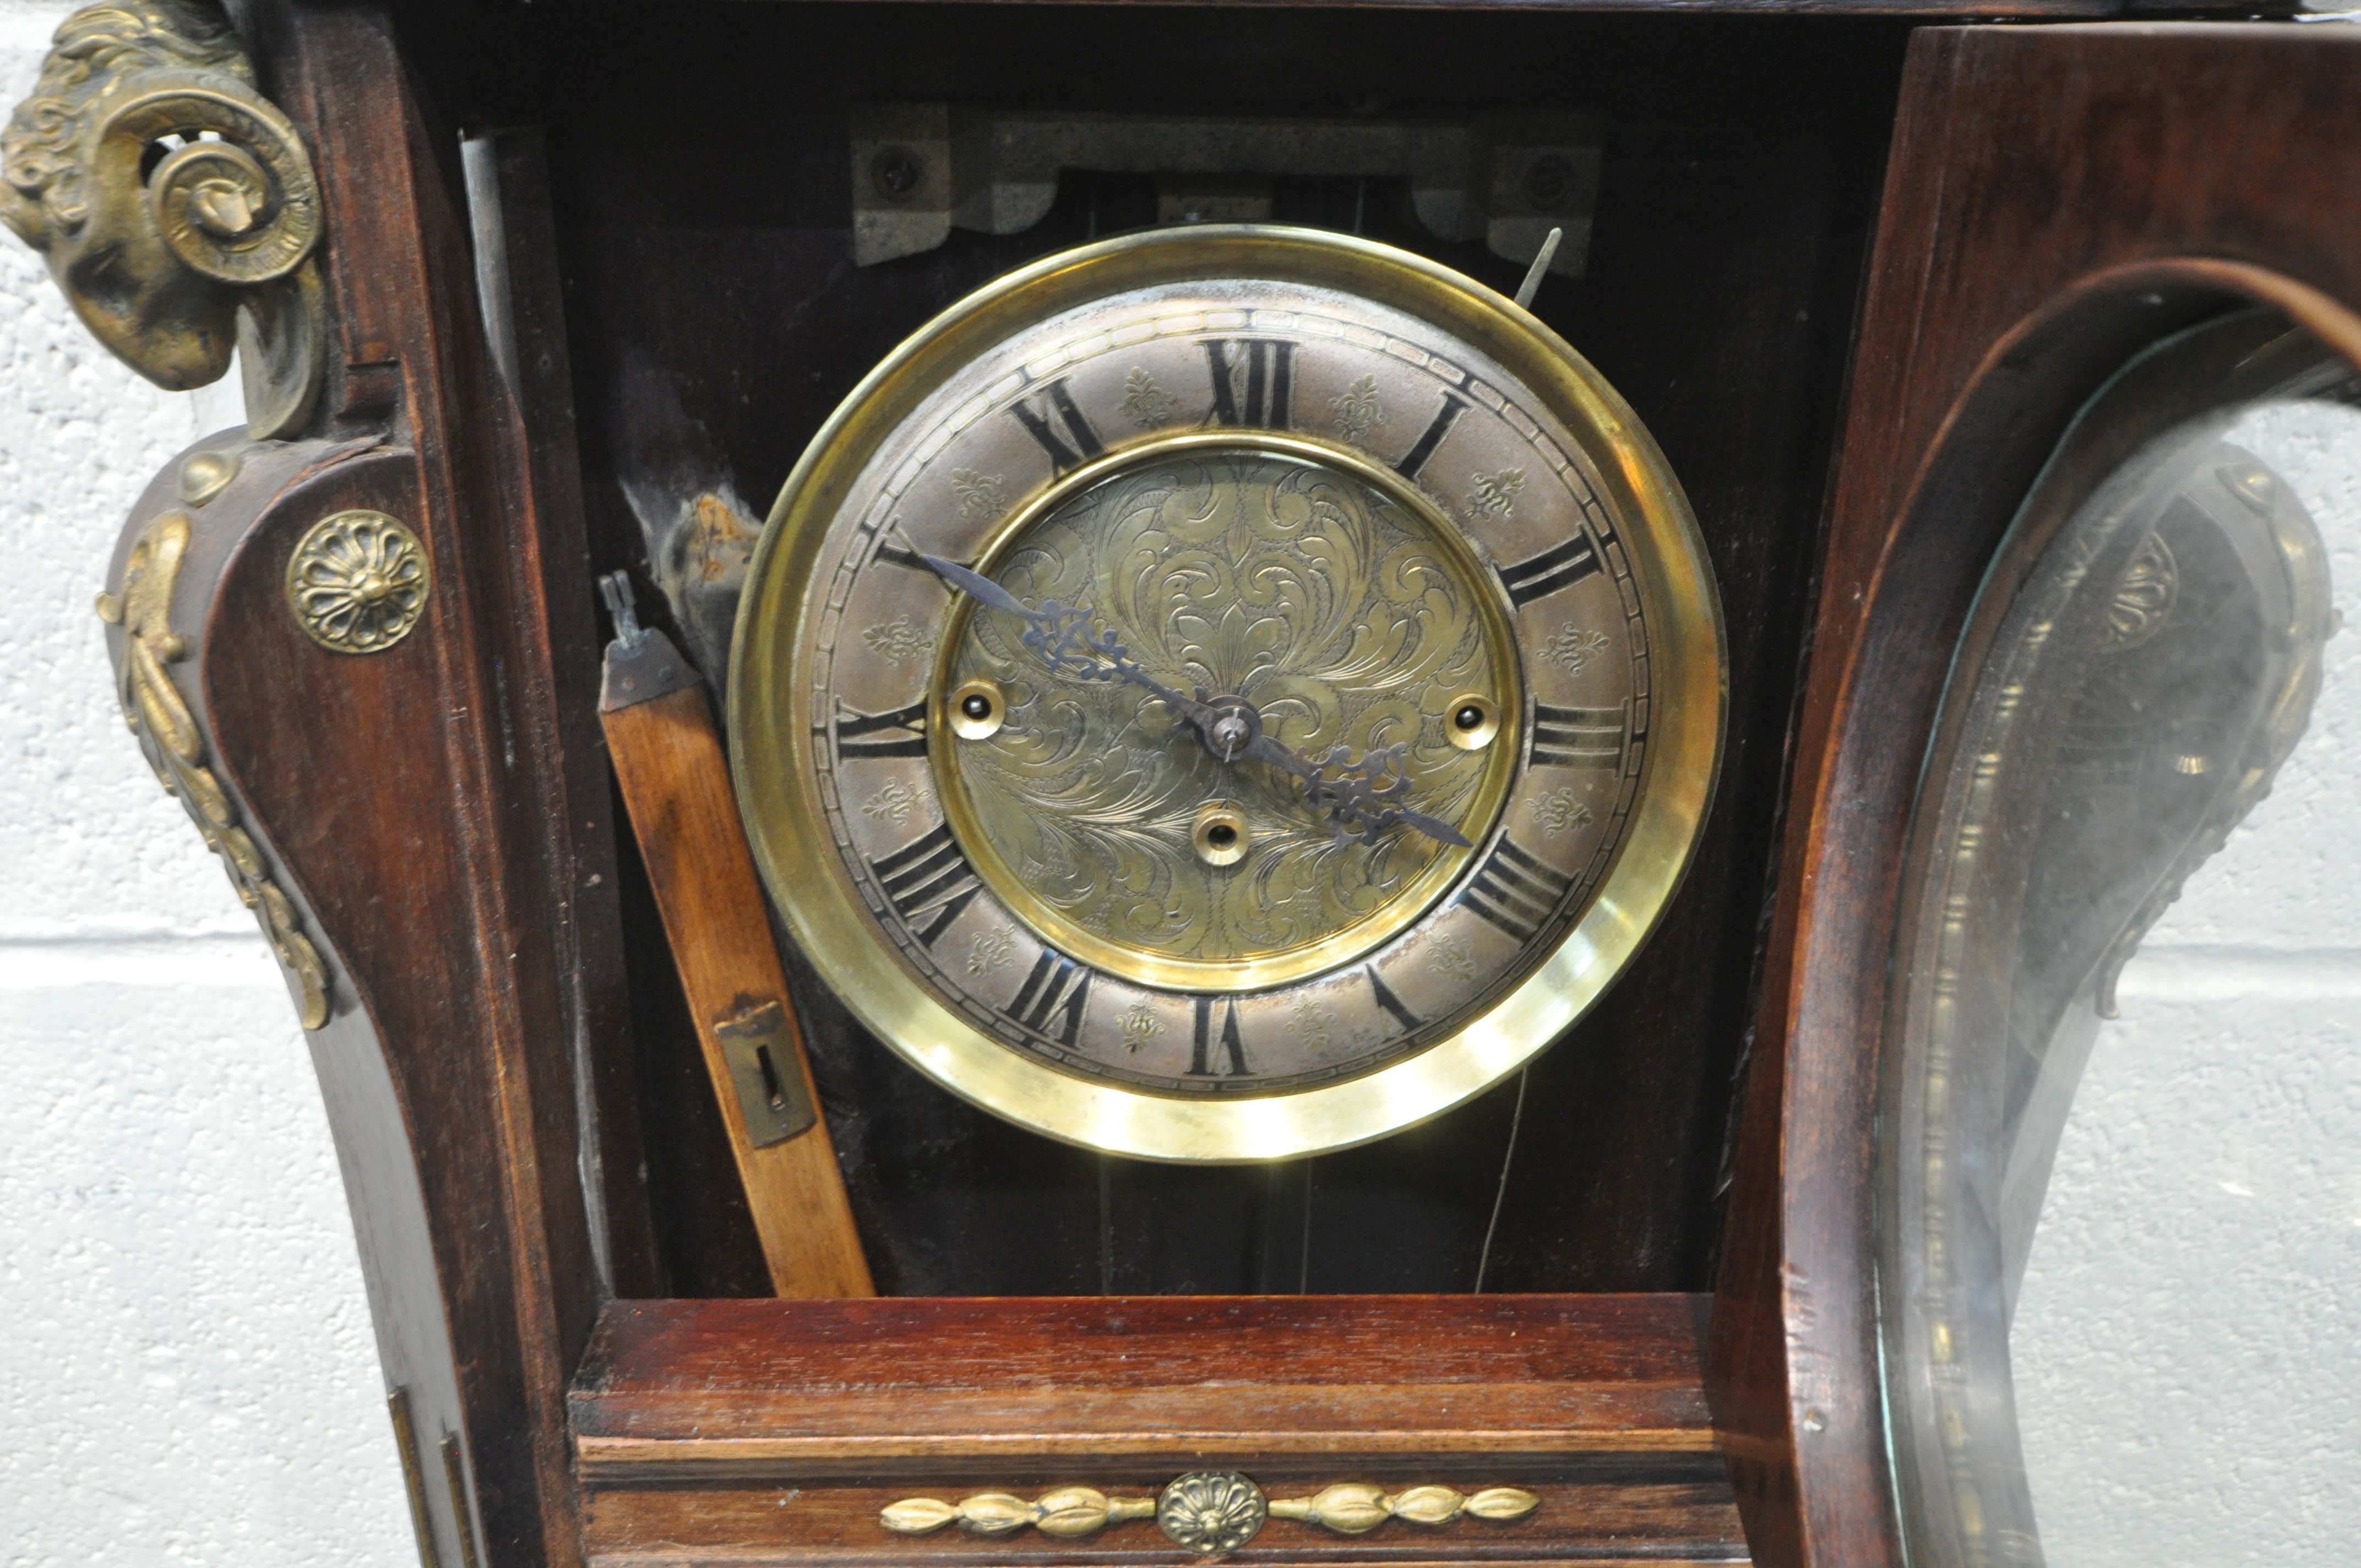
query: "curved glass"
2120, 1185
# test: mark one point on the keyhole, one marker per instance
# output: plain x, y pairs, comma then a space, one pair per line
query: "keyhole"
771, 1089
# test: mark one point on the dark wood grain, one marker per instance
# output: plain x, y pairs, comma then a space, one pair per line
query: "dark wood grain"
2057, 200
516, 267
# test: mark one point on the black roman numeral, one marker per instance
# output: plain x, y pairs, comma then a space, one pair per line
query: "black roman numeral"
1515, 891
1393, 1005
929, 878
900, 555
1063, 458
1057, 985
1561, 567
1201, 1055
1454, 405
858, 734
1269, 378
1577, 737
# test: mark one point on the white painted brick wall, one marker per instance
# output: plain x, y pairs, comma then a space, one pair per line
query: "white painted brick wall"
2188, 1341
187, 1373
186, 1368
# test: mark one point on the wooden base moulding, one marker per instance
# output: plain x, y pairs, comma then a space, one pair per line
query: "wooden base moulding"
776, 1431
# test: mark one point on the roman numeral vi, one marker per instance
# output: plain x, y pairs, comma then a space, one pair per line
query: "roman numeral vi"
1233, 1051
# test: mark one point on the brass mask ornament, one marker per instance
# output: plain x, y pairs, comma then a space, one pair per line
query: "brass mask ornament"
175, 206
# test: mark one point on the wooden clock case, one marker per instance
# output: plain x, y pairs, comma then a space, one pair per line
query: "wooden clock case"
584, 264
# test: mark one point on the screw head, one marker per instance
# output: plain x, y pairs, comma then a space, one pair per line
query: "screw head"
1548, 181
896, 172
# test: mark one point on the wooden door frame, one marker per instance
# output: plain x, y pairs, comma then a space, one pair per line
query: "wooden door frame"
2057, 200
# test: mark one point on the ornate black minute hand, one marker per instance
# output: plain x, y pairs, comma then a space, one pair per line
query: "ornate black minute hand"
1344, 790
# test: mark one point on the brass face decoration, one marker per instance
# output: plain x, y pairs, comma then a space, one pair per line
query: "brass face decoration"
1226, 693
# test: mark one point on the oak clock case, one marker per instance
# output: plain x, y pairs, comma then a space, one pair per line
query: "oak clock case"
1226, 693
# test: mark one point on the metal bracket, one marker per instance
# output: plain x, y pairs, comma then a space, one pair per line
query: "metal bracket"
921, 170
766, 1070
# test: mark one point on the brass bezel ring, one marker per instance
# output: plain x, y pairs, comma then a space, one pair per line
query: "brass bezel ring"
777, 783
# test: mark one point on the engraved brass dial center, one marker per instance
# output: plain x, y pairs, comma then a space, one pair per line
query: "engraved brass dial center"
1328, 606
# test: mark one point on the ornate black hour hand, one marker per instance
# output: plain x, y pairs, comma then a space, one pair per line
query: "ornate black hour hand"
1065, 637
1344, 790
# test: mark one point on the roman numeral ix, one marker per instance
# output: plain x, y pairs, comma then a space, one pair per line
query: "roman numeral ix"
929, 878
1058, 404
1551, 571
1058, 988
901, 733
1233, 1051
1515, 891
1270, 366
1576, 737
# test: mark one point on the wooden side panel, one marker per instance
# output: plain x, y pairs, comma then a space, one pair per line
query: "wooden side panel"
2056, 199
779, 1428
418, 798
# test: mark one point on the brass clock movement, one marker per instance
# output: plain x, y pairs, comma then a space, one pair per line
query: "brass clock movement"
1226, 693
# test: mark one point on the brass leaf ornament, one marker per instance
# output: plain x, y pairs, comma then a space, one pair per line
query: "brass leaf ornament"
174, 747
175, 205
1209, 1511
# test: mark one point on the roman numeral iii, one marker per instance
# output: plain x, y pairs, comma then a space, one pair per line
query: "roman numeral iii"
1516, 891
1577, 737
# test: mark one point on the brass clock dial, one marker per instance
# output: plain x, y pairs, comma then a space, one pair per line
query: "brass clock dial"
1226, 693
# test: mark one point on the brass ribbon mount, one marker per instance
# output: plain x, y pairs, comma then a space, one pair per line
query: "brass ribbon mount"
1207, 1511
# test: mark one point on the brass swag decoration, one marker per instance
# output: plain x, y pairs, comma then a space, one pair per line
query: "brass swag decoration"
175, 748
173, 248
358, 582
1207, 1510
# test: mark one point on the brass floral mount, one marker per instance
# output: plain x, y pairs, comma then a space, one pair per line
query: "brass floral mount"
1207, 1510
358, 582
175, 748
176, 206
